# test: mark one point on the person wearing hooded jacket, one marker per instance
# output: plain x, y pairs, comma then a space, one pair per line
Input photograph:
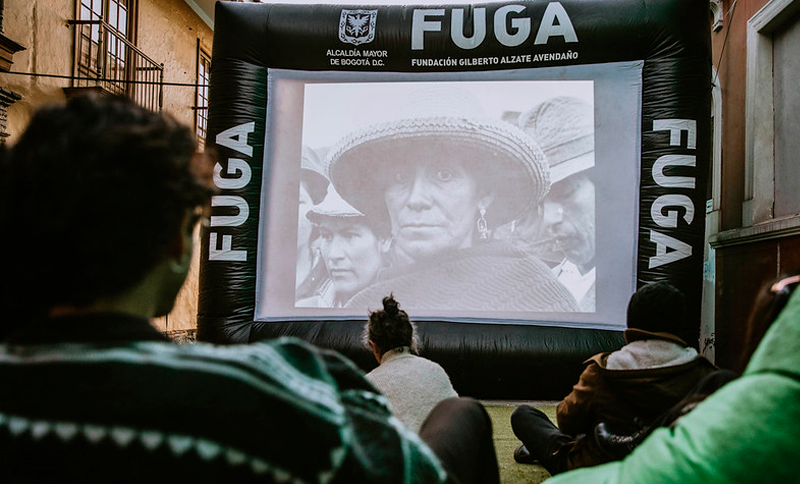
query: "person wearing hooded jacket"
626, 389
744, 432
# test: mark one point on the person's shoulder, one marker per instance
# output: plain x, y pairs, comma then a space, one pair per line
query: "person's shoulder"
702, 361
595, 368
598, 359
431, 364
283, 361
235, 351
435, 371
778, 349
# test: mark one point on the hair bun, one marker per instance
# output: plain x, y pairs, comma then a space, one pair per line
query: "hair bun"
390, 306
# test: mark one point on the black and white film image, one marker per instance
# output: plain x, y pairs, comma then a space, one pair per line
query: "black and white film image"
466, 196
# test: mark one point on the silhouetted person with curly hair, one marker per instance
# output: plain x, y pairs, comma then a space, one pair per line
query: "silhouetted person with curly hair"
99, 200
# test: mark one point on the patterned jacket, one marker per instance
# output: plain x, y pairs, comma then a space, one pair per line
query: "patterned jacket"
106, 397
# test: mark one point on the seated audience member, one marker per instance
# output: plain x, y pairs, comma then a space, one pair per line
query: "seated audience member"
103, 197
627, 388
412, 384
769, 302
744, 432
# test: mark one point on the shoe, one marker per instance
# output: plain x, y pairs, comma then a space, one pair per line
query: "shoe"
615, 445
522, 456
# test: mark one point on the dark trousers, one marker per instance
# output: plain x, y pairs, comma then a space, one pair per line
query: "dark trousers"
541, 437
459, 431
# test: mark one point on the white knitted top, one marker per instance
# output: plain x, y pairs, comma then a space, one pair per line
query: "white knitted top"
412, 384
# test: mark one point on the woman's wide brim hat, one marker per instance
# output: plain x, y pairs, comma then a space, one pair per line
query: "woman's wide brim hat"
507, 163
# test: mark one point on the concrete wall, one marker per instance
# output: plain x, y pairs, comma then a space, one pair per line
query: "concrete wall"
730, 64
41, 27
747, 257
168, 33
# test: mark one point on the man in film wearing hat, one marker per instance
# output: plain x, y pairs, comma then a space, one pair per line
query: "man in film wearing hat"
445, 176
564, 128
626, 389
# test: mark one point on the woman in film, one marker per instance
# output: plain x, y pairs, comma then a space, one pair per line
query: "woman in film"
444, 179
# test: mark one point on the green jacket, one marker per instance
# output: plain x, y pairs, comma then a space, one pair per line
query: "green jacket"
748, 431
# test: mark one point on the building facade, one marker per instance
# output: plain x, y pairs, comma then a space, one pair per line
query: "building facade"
157, 52
753, 212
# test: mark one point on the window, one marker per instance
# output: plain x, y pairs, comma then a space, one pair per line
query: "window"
771, 166
110, 24
201, 96
106, 56
786, 71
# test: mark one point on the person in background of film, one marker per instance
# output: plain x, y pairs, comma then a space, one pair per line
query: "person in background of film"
412, 384
310, 271
351, 247
445, 175
564, 128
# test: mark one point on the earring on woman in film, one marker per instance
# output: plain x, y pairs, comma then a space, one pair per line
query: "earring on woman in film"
483, 227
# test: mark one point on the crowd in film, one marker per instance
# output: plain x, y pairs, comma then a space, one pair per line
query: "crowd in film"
93, 392
446, 207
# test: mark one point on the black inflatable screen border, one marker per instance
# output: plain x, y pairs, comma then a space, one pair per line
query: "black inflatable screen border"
671, 37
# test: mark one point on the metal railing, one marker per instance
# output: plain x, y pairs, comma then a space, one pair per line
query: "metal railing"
106, 59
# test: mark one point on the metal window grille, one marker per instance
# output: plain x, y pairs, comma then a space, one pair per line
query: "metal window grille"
106, 58
201, 98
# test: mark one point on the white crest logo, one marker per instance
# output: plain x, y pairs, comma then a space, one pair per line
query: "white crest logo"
357, 26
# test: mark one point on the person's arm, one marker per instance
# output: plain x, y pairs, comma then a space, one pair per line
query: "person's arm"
575, 414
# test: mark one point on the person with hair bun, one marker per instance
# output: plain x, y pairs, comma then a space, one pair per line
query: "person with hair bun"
412, 384
457, 429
